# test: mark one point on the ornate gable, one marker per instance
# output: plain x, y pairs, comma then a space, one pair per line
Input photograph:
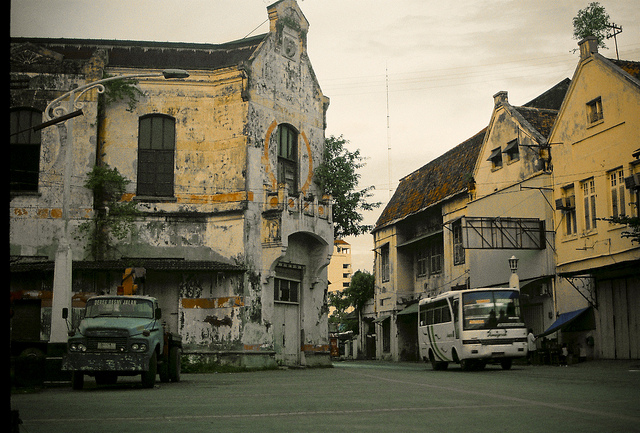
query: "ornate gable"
27, 54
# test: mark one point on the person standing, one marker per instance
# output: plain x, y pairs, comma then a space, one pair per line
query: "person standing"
531, 346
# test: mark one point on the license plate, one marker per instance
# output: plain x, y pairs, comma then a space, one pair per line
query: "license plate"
106, 346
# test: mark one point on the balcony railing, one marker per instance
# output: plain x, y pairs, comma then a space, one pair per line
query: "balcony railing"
307, 205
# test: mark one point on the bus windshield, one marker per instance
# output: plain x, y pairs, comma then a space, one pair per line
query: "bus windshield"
119, 307
491, 309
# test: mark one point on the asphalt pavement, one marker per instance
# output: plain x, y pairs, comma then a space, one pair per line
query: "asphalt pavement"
353, 396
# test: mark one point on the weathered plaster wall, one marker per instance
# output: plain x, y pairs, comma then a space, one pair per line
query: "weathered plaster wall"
586, 150
504, 128
36, 219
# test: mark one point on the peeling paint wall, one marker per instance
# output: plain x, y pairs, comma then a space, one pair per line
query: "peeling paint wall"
36, 218
227, 206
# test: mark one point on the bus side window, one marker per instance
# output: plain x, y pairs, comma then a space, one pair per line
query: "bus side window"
446, 313
437, 315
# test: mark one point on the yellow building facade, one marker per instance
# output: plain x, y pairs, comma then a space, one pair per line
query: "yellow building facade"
594, 148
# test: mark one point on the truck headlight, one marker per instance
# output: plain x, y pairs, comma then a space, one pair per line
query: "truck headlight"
77, 347
139, 347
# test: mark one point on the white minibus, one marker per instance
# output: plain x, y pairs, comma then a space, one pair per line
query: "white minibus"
472, 328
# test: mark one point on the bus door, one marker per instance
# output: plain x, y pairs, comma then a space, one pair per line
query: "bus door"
455, 308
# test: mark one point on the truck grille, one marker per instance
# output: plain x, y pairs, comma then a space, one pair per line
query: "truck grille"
106, 344
107, 340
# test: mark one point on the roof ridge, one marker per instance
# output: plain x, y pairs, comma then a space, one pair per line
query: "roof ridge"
136, 43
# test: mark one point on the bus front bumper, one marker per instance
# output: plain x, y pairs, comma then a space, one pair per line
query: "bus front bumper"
494, 349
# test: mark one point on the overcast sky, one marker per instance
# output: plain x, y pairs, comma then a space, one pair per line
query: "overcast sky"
429, 67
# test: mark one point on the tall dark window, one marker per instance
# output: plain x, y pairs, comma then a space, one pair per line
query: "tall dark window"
288, 157
24, 149
156, 149
385, 271
286, 285
458, 245
589, 197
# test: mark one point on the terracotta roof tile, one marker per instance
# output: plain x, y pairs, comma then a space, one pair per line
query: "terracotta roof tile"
542, 120
630, 67
443, 177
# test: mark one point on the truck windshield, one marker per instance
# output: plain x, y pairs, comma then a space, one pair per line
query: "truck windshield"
491, 309
119, 307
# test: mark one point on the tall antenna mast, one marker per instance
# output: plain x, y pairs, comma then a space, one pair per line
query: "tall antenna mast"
386, 70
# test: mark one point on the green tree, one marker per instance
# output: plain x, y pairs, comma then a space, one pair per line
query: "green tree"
338, 177
360, 290
633, 226
592, 21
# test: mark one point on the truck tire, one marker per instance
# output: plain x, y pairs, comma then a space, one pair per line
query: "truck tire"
163, 369
174, 364
149, 377
77, 380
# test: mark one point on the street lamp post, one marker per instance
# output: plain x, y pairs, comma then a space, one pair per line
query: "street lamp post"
60, 113
514, 279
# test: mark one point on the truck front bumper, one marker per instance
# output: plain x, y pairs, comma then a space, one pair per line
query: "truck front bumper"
88, 362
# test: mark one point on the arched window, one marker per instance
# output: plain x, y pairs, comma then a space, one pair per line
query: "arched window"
288, 157
156, 149
24, 149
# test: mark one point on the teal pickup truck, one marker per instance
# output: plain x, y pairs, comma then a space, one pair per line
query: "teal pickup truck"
122, 336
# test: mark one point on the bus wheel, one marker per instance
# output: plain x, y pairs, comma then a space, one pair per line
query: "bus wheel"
506, 364
466, 365
435, 364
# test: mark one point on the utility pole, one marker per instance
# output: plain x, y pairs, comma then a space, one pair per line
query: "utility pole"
616, 31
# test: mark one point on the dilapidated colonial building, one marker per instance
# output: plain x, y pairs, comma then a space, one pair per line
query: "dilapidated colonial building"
454, 223
219, 216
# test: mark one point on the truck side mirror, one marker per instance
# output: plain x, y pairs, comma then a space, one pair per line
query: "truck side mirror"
158, 313
65, 313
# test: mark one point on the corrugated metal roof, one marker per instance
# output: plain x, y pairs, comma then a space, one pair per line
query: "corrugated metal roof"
444, 177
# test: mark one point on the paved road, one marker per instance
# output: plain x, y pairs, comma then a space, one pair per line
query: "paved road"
367, 396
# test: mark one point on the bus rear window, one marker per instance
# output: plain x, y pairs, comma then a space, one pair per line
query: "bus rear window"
491, 309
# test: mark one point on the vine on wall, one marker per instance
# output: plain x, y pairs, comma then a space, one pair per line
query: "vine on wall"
114, 219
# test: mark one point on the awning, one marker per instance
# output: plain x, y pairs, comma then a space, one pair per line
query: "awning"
411, 309
564, 320
494, 153
381, 319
